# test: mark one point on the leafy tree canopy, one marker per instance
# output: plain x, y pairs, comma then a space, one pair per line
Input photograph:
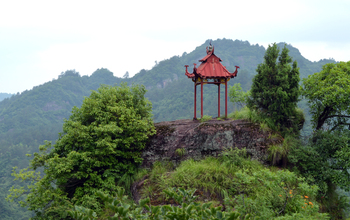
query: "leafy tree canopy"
328, 94
275, 89
325, 161
101, 142
237, 95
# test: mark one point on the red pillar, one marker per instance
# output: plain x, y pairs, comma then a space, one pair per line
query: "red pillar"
219, 100
201, 98
225, 98
195, 101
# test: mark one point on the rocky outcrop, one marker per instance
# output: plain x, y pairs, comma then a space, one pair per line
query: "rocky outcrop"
183, 139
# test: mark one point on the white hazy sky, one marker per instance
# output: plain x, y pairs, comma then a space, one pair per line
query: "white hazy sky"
41, 39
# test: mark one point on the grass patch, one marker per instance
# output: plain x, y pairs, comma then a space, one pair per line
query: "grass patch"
238, 182
264, 127
266, 124
206, 118
154, 178
180, 152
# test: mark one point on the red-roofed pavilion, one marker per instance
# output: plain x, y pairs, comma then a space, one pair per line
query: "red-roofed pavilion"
210, 71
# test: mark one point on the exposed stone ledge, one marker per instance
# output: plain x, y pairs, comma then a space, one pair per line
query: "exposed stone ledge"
203, 139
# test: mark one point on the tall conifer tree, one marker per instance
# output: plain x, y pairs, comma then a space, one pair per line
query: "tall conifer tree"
275, 88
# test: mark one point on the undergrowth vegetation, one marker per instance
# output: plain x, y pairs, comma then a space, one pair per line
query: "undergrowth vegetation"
281, 142
266, 123
253, 116
236, 182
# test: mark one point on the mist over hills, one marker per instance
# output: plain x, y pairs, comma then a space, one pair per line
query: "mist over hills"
29, 118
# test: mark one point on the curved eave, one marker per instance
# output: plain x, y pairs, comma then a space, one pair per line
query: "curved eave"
190, 75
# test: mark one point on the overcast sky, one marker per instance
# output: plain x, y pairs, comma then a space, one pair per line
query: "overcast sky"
41, 39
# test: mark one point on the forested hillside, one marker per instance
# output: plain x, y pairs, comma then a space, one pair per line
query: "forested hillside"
29, 118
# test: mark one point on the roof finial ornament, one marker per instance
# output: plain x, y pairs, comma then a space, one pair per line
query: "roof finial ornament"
210, 47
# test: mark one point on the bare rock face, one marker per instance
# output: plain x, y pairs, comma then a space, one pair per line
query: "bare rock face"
182, 139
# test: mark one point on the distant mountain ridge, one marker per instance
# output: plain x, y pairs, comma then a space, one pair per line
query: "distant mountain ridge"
170, 91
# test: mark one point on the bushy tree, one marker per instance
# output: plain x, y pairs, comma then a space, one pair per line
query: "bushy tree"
101, 143
237, 95
275, 89
328, 96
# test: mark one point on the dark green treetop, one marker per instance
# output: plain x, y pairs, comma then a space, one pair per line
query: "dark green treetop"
275, 88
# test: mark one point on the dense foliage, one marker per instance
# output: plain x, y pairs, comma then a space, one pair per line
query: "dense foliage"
275, 89
13, 156
100, 144
328, 96
122, 208
331, 152
324, 161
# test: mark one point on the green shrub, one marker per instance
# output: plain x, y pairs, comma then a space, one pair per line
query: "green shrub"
180, 152
279, 152
205, 118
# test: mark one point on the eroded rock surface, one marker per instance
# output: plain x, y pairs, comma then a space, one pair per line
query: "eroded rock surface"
202, 139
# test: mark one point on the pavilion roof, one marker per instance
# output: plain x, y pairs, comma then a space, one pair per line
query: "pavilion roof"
211, 67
